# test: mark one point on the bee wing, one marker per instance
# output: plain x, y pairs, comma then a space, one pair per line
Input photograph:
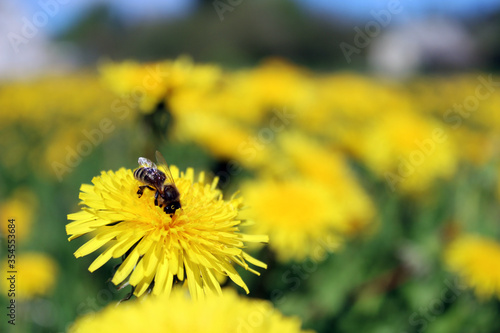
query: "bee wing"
144, 162
161, 161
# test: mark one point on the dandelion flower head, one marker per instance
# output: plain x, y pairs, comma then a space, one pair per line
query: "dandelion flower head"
199, 241
21, 207
152, 83
297, 215
36, 275
229, 313
475, 259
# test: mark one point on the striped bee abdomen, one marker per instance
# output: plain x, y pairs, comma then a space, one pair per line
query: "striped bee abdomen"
144, 175
150, 176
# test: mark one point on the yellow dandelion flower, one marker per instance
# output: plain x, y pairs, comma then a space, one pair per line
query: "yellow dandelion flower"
476, 147
151, 83
143, 80
342, 113
298, 215
224, 138
219, 101
475, 259
229, 313
48, 136
276, 82
21, 207
330, 168
36, 275
197, 242
408, 150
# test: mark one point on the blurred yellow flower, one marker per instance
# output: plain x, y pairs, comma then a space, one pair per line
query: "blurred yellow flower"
227, 313
149, 84
307, 199
329, 168
50, 120
476, 147
141, 82
476, 260
298, 215
71, 95
229, 99
36, 275
467, 99
21, 207
410, 152
276, 83
198, 241
336, 106
223, 138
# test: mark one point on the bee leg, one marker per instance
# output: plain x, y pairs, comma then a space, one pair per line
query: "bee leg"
156, 198
140, 191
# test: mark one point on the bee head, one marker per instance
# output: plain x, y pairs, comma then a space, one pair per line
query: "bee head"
172, 207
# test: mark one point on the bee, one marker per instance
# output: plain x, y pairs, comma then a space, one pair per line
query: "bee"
166, 193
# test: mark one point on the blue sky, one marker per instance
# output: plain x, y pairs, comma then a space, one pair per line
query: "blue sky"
360, 9
355, 9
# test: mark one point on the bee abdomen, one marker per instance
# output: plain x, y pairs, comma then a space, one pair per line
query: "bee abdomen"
142, 174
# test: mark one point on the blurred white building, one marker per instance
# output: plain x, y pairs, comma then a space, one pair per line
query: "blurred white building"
435, 43
25, 51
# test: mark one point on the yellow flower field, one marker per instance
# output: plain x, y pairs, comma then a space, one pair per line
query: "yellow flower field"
310, 200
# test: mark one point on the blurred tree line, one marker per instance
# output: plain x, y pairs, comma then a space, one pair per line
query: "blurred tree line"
238, 33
